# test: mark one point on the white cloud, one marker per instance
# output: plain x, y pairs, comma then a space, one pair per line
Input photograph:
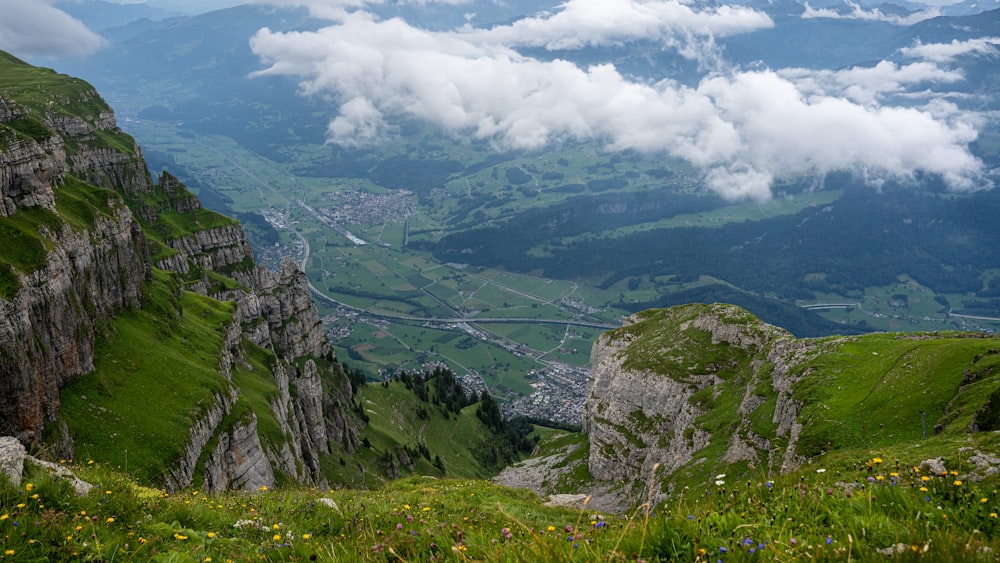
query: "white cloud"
858, 13
37, 28
582, 23
867, 85
742, 129
946, 52
337, 10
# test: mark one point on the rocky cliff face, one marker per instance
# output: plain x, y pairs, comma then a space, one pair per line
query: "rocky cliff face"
54, 303
47, 324
678, 388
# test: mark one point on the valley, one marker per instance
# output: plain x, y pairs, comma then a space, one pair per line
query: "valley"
388, 304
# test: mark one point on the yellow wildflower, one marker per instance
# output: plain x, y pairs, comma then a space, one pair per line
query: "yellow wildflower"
211, 535
993, 514
277, 537
306, 536
28, 487
551, 528
958, 482
110, 520
984, 500
180, 537
9, 552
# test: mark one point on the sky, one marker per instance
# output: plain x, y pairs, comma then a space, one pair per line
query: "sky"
742, 128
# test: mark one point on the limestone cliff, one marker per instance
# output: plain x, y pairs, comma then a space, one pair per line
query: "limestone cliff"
703, 394
85, 227
63, 280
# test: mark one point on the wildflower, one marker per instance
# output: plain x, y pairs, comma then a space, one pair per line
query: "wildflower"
180, 537
829, 540
90, 462
399, 526
110, 520
702, 551
876, 460
984, 500
720, 476
406, 507
28, 487
276, 537
719, 482
769, 484
925, 478
276, 526
993, 514
957, 483
9, 552
551, 528
4, 517
793, 541
821, 470
306, 536
211, 535
142, 540
722, 550
923, 489
894, 474
880, 477
207, 560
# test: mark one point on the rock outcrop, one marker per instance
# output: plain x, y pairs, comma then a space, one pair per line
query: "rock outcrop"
657, 380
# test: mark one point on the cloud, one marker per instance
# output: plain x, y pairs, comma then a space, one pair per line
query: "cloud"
337, 10
588, 23
37, 28
946, 52
868, 85
858, 13
742, 129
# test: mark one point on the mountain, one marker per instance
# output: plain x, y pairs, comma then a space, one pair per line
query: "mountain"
100, 261
681, 393
100, 16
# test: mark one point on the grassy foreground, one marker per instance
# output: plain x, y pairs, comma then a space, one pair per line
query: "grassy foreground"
866, 509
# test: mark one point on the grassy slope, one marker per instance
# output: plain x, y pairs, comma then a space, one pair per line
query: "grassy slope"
155, 374
393, 422
862, 395
836, 515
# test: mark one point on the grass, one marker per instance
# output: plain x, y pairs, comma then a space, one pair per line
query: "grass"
25, 244
867, 506
162, 359
394, 421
